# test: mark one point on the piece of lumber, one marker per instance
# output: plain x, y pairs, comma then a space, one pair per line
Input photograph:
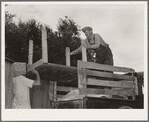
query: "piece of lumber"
108, 75
66, 89
95, 95
36, 64
136, 86
81, 77
60, 96
51, 91
45, 100
30, 53
44, 45
118, 84
55, 89
55, 72
84, 55
84, 100
92, 65
67, 56
113, 91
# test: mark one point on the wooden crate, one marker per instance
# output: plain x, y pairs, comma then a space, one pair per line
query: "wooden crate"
96, 78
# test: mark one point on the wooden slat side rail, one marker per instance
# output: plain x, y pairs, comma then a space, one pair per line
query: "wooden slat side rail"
66, 89
36, 64
113, 91
117, 84
92, 65
108, 75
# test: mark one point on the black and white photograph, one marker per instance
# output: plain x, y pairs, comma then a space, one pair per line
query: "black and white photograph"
78, 60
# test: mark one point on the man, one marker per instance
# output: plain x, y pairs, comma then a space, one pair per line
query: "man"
21, 90
96, 44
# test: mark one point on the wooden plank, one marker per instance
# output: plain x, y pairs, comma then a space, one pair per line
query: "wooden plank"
44, 45
51, 92
39, 102
66, 89
140, 82
136, 86
60, 96
36, 64
80, 104
80, 85
120, 92
67, 56
118, 84
30, 53
108, 75
92, 65
55, 72
55, 89
95, 95
81, 77
46, 101
84, 55
84, 102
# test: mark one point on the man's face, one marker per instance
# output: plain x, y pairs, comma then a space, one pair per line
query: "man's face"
88, 33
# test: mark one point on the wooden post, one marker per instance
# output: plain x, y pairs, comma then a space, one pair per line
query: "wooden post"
67, 56
30, 54
135, 89
51, 86
55, 90
81, 78
84, 55
51, 93
84, 102
44, 45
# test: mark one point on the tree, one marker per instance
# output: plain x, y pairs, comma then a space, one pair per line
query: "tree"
17, 38
8, 17
10, 31
66, 29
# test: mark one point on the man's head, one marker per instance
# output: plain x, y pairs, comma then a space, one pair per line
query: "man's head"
18, 69
88, 31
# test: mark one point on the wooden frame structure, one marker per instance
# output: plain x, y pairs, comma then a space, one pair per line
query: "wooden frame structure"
91, 77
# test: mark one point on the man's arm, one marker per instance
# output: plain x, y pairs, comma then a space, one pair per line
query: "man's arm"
78, 50
97, 42
37, 81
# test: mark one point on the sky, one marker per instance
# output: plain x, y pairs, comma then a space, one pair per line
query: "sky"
121, 25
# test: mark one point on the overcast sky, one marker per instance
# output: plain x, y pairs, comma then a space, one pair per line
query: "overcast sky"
120, 25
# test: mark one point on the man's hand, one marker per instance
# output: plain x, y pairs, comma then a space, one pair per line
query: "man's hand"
37, 81
78, 50
84, 45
